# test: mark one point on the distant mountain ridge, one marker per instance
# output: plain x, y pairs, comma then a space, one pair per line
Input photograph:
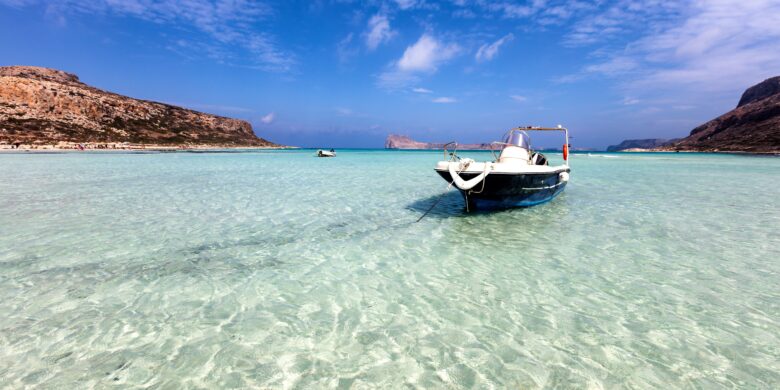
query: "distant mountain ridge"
649, 143
395, 141
42, 106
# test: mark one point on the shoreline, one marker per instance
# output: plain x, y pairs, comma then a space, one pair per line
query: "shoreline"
638, 150
632, 150
124, 147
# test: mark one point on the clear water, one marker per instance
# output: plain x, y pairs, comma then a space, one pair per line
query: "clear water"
280, 270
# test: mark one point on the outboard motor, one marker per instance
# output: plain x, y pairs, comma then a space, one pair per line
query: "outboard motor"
538, 159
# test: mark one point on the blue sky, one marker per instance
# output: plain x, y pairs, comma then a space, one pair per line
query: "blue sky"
347, 73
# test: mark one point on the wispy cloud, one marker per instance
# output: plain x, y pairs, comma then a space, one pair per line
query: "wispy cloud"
396, 79
518, 98
488, 51
721, 45
343, 111
513, 10
230, 24
444, 99
268, 119
379, 31
613, 66
421, 90
615, 19
344, 49
406, 4
696, 48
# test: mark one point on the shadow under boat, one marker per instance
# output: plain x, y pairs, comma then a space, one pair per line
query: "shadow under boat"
451, 206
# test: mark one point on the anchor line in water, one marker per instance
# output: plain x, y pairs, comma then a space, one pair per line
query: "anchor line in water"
449, 185
434, 205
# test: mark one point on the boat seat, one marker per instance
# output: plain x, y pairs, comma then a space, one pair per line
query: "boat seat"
514, 155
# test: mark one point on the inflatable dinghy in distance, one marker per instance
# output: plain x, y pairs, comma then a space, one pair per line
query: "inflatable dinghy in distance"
326, 153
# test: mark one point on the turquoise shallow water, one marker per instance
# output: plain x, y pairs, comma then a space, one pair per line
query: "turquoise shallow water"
280, 270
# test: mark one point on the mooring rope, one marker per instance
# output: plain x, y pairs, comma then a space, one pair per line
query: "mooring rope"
449, 185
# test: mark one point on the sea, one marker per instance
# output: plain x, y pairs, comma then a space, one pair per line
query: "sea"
275, 269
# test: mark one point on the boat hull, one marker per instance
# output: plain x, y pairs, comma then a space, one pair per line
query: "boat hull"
507, 190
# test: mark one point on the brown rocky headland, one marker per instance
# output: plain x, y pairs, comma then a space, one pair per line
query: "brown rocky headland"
752, 127
42, 108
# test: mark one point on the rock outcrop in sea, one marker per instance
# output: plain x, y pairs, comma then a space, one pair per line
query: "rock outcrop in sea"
42, 106
754, 126
394, 141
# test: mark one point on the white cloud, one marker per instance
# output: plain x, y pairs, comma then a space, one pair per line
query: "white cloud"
268, 119
518, 98
379, 31
426, 54
613, 66
487, 51
444, 99
421, 90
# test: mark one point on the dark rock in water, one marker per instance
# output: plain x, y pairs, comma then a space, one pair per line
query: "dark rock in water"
49, 106
754, 126
760, 91
649, 143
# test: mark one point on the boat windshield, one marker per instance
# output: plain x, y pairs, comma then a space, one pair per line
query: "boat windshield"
518, 138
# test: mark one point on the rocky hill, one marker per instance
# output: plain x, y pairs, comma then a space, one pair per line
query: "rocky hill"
394, 141
635, 144
41, 106
754, 126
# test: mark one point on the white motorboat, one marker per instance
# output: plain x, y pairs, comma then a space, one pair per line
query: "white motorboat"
517, 177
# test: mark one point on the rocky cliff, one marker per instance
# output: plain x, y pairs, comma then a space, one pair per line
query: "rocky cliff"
754, 126
394, 141
47, 106
762, 90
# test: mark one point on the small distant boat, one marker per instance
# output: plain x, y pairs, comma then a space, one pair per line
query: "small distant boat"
326, 153
518, 177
